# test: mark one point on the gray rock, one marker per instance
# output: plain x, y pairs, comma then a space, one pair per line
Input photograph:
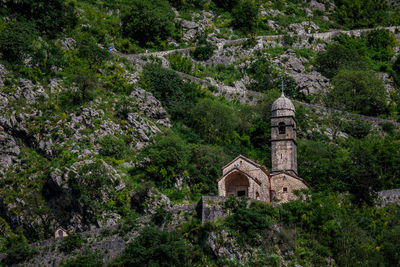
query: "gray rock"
9, 150
68, 43
189, 24
3, 73
317, 5
189, 35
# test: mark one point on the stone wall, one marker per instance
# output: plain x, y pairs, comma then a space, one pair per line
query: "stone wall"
210, 208
284, 185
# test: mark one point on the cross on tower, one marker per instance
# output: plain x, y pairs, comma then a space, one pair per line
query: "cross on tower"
282, 87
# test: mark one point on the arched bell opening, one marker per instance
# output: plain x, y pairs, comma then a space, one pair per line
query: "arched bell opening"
282, 128
237, 184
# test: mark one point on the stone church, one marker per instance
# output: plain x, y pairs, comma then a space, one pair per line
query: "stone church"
244, 177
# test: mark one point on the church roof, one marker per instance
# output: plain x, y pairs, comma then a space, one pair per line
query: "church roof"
283, 107
249, 161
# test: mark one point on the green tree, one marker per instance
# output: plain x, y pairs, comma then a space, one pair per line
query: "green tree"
361, 13
16, 40
381, 42
358, 91
49, 16
245, 15
175, 94
215, 121
169, 159
148, 21
112, 146
154, 247
337, 57
226, 4
86, 260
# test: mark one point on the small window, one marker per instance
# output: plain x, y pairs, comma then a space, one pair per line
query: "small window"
285, 189
282, 128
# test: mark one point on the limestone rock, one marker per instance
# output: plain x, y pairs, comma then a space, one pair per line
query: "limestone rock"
9, 150
3, 73
303, 28
315, 5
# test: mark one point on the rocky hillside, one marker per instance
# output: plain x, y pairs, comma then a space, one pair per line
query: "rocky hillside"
116, 117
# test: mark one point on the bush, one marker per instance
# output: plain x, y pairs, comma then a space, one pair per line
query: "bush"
180, 63
169, 159
381, 42
361, 13
214, 121
358, 91
87, 260
112, 146
337, 57
89, 50
70, 243
358, 128
245, 15
50, 17
154, 247
175, 94
17, 250
148, 21
388, 127
204, 49
226, 4
16, 40
180, 4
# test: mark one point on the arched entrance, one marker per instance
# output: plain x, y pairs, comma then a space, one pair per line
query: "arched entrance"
237, 184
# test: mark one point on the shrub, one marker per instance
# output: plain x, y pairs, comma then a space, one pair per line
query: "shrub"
203, 51
112, 146
16, 40
337, 57
180, 4
89, 50
70, 243
87, 260
169, 159
288, 40
175, 94
226, 4
358, 128
180, 63
154, 247
214, 121
245, 15
50, 17
358, 91
361, 13
381, 42
148, 21
387, 127
17, 250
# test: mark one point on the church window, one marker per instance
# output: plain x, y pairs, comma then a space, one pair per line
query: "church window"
282, 128
285, 189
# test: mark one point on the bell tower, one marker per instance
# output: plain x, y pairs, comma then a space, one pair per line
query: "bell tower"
283, 136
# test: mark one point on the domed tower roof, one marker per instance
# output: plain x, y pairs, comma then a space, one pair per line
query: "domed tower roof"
282, 107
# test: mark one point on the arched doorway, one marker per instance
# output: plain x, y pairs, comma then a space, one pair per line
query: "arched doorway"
237, 184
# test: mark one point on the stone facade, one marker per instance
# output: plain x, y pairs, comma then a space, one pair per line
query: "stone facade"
244, 177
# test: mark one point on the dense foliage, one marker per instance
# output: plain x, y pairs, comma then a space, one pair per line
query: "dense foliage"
156, 248
148, 21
